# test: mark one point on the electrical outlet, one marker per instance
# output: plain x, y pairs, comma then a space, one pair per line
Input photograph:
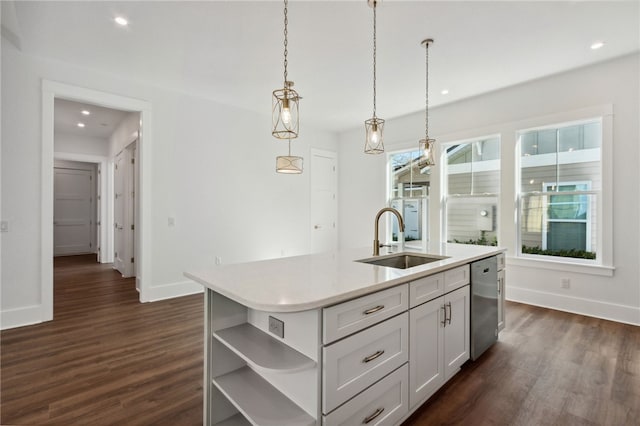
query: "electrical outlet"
276, 326
218, 260
4, 226
565, 283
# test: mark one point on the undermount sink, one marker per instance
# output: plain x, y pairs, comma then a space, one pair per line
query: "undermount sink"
403, 260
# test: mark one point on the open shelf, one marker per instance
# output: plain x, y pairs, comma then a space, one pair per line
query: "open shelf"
260, 350
259, 401
237, 420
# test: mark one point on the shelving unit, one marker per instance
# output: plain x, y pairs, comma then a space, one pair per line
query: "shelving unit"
259, 401
262, 351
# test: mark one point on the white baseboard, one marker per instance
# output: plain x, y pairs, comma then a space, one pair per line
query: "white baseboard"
20, 317
169, 291
592, 308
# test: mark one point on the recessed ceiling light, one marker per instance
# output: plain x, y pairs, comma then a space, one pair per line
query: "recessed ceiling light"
597, 45
445, 92
85, 112
80, 124
121, 21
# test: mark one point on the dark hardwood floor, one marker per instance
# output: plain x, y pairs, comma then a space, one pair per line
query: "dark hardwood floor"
107, 359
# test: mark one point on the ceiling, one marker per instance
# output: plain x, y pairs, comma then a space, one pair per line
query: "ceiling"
100, 123
232, 51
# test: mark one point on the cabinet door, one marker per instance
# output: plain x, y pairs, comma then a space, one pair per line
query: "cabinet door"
426, 340
456, 330
501, 298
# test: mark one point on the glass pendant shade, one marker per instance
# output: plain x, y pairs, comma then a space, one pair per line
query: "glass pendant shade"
426, 147
374, 136
285, 112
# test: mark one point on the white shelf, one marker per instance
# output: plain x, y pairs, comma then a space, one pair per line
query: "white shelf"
259, 401
237, 420
262, 351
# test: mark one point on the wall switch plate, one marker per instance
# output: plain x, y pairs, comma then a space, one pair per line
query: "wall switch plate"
565, 283
4, 226
276, 327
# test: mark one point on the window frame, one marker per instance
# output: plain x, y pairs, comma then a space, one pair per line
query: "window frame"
604, 244
444, 182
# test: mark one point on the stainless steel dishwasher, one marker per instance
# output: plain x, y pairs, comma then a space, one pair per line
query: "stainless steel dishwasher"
484, 305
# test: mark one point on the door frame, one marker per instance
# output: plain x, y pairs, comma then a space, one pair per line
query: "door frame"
50, 91
316, 152
105, 182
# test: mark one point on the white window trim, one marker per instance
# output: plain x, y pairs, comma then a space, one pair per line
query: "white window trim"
604, 263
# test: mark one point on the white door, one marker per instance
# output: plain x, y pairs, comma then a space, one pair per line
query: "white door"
456, 332
72, 212
119, 213
426, 349
99, 212
324, 203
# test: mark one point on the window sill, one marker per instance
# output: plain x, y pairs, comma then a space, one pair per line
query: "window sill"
565, 266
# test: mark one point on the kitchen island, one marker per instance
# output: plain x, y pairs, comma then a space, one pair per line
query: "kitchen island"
329, 339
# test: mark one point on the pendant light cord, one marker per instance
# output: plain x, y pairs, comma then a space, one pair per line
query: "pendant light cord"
374, 58
286, 33
426, 95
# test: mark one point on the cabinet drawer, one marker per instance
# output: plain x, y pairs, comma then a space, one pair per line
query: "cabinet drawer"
425, 289
355, 363
384, 403
501, 261
456, 278
352, 316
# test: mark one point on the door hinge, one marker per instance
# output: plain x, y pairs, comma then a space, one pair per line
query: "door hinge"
116, 167
90, 245
98, 197
116, 196
133, 227
98, 223
334, 168
132, 260
133, 161
90, 177
116, 254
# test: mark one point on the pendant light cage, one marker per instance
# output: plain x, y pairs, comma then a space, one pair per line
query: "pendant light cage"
374, 144
285, 101
289, 164
374, 126
285, 109
426, 146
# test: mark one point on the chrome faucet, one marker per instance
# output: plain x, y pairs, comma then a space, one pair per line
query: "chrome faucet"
376, 242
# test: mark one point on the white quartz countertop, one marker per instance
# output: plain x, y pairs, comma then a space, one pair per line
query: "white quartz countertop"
300, 283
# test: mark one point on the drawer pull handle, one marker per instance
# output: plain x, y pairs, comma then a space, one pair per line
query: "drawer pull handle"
373, 356
372, 310
444, 321
373, 416
449, 319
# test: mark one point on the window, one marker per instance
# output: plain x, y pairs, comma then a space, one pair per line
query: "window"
409, 193
472, 185
560, 183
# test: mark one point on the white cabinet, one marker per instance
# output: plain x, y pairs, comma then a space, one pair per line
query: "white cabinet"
384, 403
349, 317
355, 363
456, 278
438, 341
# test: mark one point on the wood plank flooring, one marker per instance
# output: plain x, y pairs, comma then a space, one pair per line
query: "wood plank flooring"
107, 359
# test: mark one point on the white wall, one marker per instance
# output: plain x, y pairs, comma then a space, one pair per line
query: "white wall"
125, 133
77, 144
213, 170
616, 82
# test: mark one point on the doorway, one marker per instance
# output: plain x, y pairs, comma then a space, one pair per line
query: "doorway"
324, 203
74, 208
124, 211
54, 90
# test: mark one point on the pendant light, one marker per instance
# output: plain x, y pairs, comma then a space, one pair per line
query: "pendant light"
426, 145
374, 126
289, 164
284, 111
284, 114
